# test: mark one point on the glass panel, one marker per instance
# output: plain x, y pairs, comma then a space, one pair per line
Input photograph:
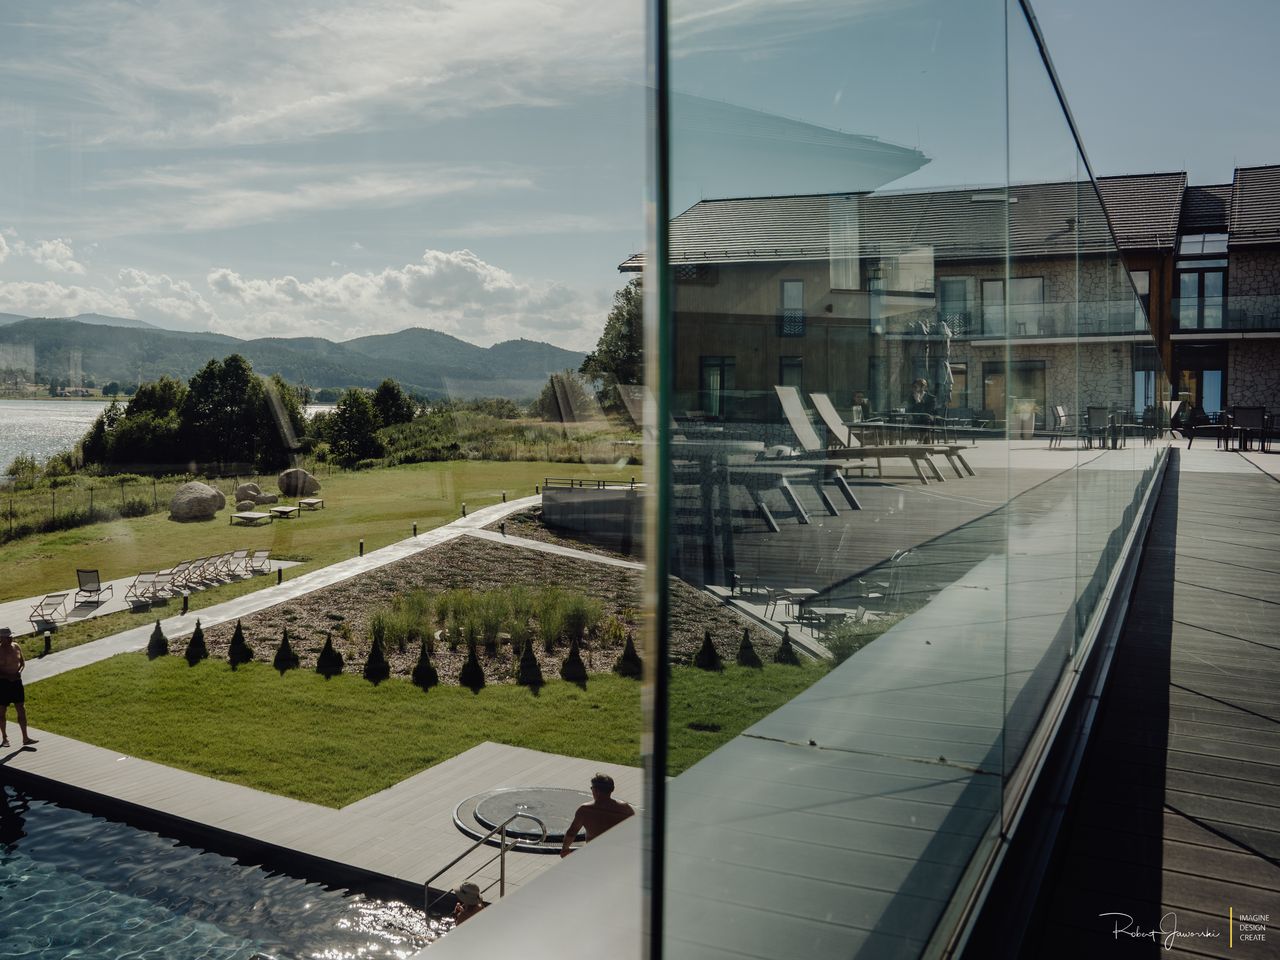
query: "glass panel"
1213, 299
1026, 304
993, 307
1211, 385
1142, 286
1188, 300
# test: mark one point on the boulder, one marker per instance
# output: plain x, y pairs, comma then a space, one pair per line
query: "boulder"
246, 505
248, 491
266, 498
298, 483
196, 501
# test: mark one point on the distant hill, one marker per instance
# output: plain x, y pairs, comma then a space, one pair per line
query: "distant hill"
10, 318
426, 361
96, 319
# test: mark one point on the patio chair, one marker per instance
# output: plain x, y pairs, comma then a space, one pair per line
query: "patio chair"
177, 574
1062, 427
844, 457
198, 573
1248, 423
91, 588
260, 562
827, 410
238, 563
141, 592
1097, 424
45, 613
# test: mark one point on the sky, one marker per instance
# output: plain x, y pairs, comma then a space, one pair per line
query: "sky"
316, 167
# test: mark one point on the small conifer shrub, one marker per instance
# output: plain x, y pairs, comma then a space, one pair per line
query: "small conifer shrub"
285, 658
239, 651
196, 650
158, 645
529, 672
786, 652
329, 663
424, 674
471, 675
573, 669
707, 658
376, 668
629, 664
747, 656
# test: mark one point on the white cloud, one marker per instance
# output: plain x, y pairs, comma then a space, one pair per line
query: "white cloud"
51, 299
55, 255
455, 291
4, 249
164, 301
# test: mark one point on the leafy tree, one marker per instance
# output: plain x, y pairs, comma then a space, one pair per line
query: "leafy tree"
392, 404
196, 650
327, 395
285, 658
619, 353
112, 389
160, 397
158, 645
747, 656
129, 389
707, 657
220, 410
424, 674
564, 398
353, 429
239, 651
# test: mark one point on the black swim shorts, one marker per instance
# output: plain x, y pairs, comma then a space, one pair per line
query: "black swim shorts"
11, 691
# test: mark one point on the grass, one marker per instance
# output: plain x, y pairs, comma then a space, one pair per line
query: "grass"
379, 506
333, 742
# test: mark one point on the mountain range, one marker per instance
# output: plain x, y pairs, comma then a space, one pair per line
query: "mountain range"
425, 361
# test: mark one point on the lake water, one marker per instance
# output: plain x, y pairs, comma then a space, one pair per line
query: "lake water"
41, 428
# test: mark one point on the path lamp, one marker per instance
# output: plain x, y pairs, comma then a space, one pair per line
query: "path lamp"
48, 644
186, 601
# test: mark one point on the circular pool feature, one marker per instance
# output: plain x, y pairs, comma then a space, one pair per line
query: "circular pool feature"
554, 806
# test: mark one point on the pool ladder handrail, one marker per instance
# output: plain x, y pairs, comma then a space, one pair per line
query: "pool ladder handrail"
500, 856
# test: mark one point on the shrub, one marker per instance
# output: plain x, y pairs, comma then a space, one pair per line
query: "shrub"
285, 658
707, 657
376, 668
786, 652
573, 669
747, 656
471, 675
196, 650
491, 610
239, 652
135, 507
529, 673
424, 674
629, 664
551, 617
329, 663
158, 645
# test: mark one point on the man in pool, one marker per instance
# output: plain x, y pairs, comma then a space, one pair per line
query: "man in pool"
11, 666
599, 815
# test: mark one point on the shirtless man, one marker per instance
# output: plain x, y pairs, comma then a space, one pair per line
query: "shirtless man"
11, 666
599, 815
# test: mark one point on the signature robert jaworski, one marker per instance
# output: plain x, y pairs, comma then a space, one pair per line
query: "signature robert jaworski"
1166, 934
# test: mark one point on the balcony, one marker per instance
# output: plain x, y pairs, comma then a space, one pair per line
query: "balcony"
1066, 319
1217, 316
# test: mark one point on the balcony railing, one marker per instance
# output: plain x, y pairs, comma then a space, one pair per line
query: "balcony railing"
1227, 314
1071, 318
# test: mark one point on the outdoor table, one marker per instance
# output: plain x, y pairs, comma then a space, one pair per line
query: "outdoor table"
830, 616
285, 512
311, 503
250, 518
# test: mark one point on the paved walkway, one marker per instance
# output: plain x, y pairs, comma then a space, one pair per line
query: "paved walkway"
1177, 809
180, 626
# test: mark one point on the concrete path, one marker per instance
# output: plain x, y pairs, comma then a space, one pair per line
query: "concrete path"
180, 626
555, 548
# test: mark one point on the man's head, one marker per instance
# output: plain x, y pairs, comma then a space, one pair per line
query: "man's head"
6, 636
602, 785
920, 384
858, 396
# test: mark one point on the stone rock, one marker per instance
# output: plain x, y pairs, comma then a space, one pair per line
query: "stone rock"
196, 501
248, 491
266, 498
298, 483
244, 505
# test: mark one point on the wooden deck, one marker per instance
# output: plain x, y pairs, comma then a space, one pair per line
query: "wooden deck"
1177, 810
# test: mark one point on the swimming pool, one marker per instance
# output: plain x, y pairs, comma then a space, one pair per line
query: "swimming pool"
75, 885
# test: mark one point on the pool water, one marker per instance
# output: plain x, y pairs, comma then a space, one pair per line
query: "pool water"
75, 885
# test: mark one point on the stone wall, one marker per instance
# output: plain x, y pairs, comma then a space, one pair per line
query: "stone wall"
1254, 273
1090, 374
1253, 373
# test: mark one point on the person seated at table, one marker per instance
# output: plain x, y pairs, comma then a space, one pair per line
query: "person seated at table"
861, 407
922, 407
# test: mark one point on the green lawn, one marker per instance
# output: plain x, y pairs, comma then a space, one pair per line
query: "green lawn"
333, 742
379, 506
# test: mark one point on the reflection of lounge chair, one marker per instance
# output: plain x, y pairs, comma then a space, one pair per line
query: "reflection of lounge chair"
47, 610
846, 456
844, 436
91, 588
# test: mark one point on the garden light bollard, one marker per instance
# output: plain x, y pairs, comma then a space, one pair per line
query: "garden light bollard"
279, 575
186, 601
415, 528
464, 508
48, 644
362, 546
504, 496
502, 528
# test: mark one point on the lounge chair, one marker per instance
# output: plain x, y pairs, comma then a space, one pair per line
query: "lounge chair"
91, 588
141, 592
844, 436
237, 563
177, 574
260, 562
47, 610
847, 456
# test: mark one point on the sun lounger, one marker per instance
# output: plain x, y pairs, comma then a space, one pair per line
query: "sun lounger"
847, 456
238, 563
844, 436
141, 592
91, 589
260, 562
46, 612
177, 574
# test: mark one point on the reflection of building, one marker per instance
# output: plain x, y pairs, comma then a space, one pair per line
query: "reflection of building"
846, 292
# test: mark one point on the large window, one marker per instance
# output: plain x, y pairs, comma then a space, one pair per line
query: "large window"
1201, 290
715, 380
1026, 305
993, 307
1141, 284
792, 321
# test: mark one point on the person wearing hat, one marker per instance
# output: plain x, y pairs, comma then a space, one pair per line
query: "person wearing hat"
469, 902
11, 667
597, 816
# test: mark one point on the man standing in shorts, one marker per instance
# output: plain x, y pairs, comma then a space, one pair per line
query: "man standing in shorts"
11, 666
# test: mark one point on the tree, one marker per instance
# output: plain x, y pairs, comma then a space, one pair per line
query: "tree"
747, 656
160, 397
424, 674
353, 429
563, 398
239, 651
158, 645
786, 653
376, 668
629, 664
220, 410
392, 404
707, 657
112, 389
329, 663
196, 650
619, 353
285, 658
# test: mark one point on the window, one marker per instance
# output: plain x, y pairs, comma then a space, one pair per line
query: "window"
1202, 243
1146, 368
959, 386
792, 322
1141, 284
790, 372
1200, 295
715, 380
1005, 385
1026, 305
993, 307
953, 303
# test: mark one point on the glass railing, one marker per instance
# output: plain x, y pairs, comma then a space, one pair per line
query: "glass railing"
1223, 314
1067, 318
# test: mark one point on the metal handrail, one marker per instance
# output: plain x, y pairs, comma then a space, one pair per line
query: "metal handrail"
501, 857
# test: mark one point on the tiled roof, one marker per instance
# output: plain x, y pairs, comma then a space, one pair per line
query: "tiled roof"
1206, 209
1255, 206
1144, 208
1041, 219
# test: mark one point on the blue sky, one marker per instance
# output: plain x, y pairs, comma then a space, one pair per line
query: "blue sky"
315, 167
